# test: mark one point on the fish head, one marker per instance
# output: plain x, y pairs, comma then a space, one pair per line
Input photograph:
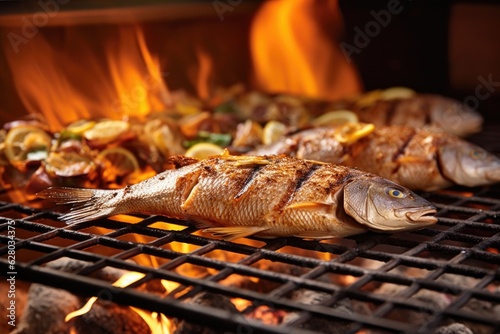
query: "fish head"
467, 164
385, 206
454, 117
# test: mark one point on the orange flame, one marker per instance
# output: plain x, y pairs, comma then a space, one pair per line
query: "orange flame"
292, 53
203, 73
111, 75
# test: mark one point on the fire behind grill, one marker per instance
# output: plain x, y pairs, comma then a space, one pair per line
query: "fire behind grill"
465, 242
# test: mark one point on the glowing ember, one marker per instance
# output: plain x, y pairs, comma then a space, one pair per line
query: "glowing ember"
240, 303
493, 250
123, 281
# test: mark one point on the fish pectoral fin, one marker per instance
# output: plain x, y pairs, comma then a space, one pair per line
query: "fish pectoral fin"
190, 183
315, 235
235, 232
309, 206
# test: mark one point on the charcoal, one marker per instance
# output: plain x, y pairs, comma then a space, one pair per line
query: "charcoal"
45, 311
52, 305
318, 323
456, 328
206, 299
109, 318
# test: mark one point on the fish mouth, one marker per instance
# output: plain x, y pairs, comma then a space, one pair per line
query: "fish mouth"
473, 123
422, 215
493, 175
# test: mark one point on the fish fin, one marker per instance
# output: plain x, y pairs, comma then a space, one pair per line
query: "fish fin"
66, 195
178, 161
201, 223
191, 185
235, 232
308, 206
92, 204
315, 235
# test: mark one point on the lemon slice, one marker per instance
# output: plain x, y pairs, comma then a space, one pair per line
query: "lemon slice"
68, 164
351, 132
396, 93
79, 127
369, 98
117, 162
23, 141
337, 117
106, 131
204, 150
247, 134
186, 109
273, 130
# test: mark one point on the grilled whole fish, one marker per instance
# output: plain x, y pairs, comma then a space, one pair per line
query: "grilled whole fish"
415, 111
269, 196
420, 159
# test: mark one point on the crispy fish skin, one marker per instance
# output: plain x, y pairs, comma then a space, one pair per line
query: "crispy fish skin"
269, 196
420, 159
405, 155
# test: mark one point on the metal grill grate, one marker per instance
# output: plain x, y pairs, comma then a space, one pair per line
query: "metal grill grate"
464, 244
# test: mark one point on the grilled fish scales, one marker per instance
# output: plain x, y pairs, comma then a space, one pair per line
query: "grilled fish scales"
269, 196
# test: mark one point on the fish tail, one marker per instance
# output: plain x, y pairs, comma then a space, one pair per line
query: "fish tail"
91, 204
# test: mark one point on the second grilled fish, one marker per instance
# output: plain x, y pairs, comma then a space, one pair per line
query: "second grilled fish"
267, 196
420, 159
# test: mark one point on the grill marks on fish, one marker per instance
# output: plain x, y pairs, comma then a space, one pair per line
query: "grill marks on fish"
302, 174
247, 183
391, 110
248, 180
401, 151
427, 110
305, 176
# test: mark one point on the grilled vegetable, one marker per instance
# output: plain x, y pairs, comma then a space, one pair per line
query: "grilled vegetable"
267, 196
420, 159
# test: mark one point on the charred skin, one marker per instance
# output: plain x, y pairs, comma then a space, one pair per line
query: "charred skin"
239, 196
408, 156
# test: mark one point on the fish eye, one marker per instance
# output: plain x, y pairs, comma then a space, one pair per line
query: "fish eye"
476, 154
395, 193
